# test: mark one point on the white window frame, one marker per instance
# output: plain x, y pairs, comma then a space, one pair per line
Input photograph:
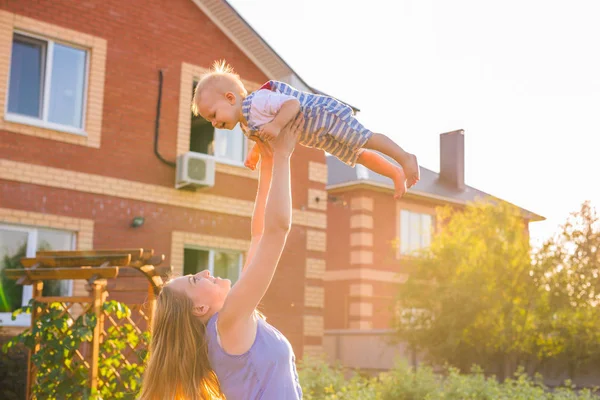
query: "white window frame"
32, 240
48, 62
411, 253
211, 257
228, 161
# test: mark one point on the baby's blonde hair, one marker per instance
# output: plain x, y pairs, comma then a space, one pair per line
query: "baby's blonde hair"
221, 77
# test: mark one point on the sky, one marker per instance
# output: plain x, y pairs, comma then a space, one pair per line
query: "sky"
521, 77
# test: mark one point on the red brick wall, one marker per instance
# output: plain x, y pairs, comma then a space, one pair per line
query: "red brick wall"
143, 37
384, 213
338, 296
338, 227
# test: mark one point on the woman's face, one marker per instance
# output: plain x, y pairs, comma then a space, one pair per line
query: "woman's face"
207, 292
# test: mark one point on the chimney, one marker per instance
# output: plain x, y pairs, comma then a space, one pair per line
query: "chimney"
452, 159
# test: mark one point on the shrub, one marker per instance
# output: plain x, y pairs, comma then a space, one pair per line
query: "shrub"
322, 382
61, 374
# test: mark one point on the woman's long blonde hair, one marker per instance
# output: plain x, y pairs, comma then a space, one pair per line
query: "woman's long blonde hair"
178, 368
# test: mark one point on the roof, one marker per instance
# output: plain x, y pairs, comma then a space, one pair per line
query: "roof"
340, 175
235, 27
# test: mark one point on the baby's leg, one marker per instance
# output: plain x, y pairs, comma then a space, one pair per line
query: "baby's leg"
378, 164
388, 147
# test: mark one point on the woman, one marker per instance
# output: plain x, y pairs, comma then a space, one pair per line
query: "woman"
207, 338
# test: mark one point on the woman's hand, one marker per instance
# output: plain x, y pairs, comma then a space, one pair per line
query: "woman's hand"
265, 150
286, 141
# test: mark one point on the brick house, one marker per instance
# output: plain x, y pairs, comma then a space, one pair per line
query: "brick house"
85, 161
364, 265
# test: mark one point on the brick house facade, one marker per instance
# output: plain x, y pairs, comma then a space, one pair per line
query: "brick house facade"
370, 237
80, 187
75, 171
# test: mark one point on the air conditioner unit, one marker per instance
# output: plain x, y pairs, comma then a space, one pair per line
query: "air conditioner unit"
195, 170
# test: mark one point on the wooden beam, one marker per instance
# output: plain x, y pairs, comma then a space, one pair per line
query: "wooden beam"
136, 254
147, 254
62, 273
78, 261
65, 299
155, 260
156, 283
24, 280
147, 270
126, 273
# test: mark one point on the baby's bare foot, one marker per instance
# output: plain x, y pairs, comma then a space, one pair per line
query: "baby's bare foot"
399, 179
411, 170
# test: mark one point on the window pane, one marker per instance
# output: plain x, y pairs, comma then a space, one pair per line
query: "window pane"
26, 76
66, 86
404, 231
415, 231
13, 246
201, 133
229, 144
227, 266
51, 239
194, 261
201, 136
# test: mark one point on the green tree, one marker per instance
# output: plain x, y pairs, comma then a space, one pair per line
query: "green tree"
567, 268
470, 298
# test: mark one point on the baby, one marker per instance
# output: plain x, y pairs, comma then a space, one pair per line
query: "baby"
221, 98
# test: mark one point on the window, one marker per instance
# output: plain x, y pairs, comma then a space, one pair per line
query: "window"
224, 145
17, 242
222, 263
415, 231
47, 84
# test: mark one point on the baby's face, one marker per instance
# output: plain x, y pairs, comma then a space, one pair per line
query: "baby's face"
222, 110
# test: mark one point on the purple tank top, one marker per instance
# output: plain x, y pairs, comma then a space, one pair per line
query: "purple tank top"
267, 371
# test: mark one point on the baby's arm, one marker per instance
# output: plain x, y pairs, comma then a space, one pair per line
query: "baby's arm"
288, 111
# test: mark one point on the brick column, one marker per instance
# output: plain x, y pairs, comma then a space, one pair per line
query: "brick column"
316, 246
360, 308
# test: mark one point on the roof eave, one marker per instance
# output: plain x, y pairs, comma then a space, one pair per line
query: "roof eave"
411, 193
273, 66
387, 187
277, 68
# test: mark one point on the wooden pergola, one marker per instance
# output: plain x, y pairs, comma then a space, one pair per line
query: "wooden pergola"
96, 267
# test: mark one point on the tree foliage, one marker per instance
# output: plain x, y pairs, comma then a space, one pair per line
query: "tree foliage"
479, 296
